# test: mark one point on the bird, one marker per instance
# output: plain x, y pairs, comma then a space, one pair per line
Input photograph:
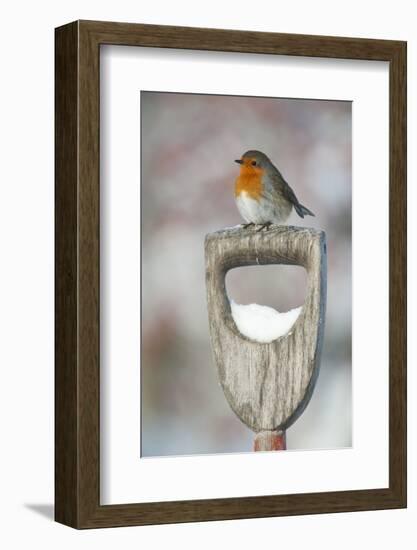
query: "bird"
262, 195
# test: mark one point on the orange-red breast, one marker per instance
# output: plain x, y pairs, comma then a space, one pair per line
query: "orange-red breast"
262, 194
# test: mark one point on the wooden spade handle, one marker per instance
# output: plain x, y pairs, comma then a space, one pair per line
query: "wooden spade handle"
267, 385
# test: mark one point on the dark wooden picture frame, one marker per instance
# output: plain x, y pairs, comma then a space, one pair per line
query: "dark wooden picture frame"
77, 371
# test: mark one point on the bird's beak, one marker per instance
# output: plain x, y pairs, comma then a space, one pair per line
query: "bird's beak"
239, 161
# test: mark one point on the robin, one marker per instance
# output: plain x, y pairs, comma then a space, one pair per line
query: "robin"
262, 195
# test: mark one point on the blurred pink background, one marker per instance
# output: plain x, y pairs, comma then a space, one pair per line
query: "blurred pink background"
189, 143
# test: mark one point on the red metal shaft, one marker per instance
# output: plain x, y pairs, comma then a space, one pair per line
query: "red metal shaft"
270, 441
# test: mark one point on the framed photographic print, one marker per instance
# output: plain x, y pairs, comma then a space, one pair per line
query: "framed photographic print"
230, 274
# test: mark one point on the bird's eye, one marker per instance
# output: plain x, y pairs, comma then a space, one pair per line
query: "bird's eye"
253, 163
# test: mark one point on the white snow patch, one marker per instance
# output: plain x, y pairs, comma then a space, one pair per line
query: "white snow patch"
232, 227
263, 323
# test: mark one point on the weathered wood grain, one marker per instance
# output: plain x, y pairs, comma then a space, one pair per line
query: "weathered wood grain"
268, 385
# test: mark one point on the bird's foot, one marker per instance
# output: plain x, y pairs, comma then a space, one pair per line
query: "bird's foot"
266, 226
246, 225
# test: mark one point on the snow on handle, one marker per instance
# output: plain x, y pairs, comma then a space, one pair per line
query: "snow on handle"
263, 323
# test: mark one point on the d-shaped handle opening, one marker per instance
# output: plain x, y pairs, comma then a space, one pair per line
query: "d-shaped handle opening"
266, 301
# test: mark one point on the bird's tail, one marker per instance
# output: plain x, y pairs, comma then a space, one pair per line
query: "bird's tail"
302, 210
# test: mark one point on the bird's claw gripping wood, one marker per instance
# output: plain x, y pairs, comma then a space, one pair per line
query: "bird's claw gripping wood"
266, 226
268, 385
263, 226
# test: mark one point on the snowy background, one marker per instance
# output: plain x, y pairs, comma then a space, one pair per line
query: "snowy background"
189, 143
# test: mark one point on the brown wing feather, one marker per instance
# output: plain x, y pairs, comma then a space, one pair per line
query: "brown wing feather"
282, 188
